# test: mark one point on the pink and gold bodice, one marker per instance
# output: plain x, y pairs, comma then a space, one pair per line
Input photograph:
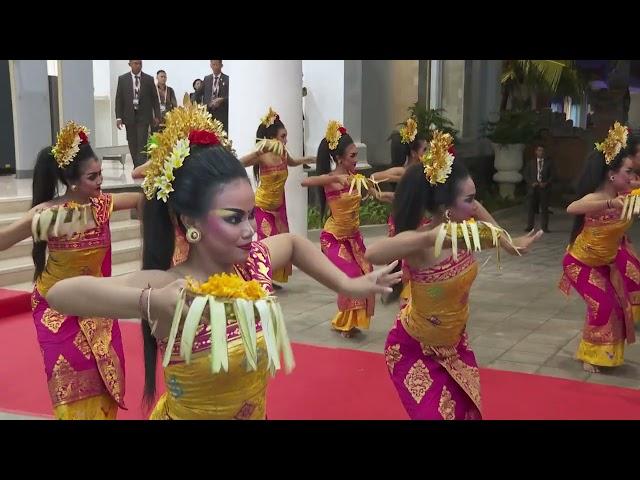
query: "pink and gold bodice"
439, 309
270, 191
345, 212
85, 253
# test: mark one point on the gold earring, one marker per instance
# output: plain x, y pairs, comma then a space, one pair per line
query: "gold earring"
193, 235
74, 188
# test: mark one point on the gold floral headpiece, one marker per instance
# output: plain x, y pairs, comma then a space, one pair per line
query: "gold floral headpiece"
438, 160
68, 143
270, 118
184, 126
616, 140
334, 132
409, 130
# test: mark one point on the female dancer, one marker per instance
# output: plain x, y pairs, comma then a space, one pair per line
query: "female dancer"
427, 351
270, 164
408, 146
340, 238
83, 356
595, 263
208, 192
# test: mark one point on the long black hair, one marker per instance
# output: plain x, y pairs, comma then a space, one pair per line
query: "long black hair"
204, 172
633, 142
594, 174
415, 195
323, 162
269, 132
47, 177
400, 151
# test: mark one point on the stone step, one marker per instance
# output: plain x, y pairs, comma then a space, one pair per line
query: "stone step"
122, 230
14, 204
118, 269
20, 270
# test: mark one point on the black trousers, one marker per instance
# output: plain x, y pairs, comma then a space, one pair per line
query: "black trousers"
137, 137
539, 202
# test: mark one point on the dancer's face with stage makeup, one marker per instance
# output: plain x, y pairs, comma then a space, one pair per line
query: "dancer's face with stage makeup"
622, 178
282, 135
349, 158
464, 206
228, 228
89, 184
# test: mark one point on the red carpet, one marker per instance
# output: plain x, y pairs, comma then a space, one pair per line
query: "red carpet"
13, 302
326, 384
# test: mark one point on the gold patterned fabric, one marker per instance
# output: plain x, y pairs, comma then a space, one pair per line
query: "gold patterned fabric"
345, 213
598, 242
83, 357
341, 241
593, 266
98, 407
439, 307
270, 191
427, 351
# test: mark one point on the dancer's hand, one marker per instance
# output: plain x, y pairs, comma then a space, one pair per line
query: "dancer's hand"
524, 242
164, 301
343, 180
618, 202
378, 281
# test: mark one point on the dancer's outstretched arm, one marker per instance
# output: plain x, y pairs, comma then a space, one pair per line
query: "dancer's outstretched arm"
289, 248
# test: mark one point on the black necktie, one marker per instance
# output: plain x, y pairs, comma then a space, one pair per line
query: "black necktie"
215, 87
136, 89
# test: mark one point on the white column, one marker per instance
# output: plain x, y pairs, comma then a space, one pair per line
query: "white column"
75, 92
334, 92
256, 85
435, 91
31, 112
325, 98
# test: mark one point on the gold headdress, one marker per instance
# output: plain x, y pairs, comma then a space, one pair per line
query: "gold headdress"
439, 158
270, 144
334, 132
616, 140
270, 118
167, 149
409, 130
68, 143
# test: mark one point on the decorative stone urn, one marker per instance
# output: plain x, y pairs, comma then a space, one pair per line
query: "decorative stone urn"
508, 163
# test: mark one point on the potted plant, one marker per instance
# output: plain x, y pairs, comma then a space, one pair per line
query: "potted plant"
509, 135
432, 118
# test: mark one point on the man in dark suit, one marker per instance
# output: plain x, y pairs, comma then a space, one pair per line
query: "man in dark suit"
539, 174
216, 93
137, 107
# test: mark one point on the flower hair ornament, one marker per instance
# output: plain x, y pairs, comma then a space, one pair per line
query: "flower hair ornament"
270, 118
185, 126
270, 144
438, 160
409, 130
68, 143
335, 131
616, 140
